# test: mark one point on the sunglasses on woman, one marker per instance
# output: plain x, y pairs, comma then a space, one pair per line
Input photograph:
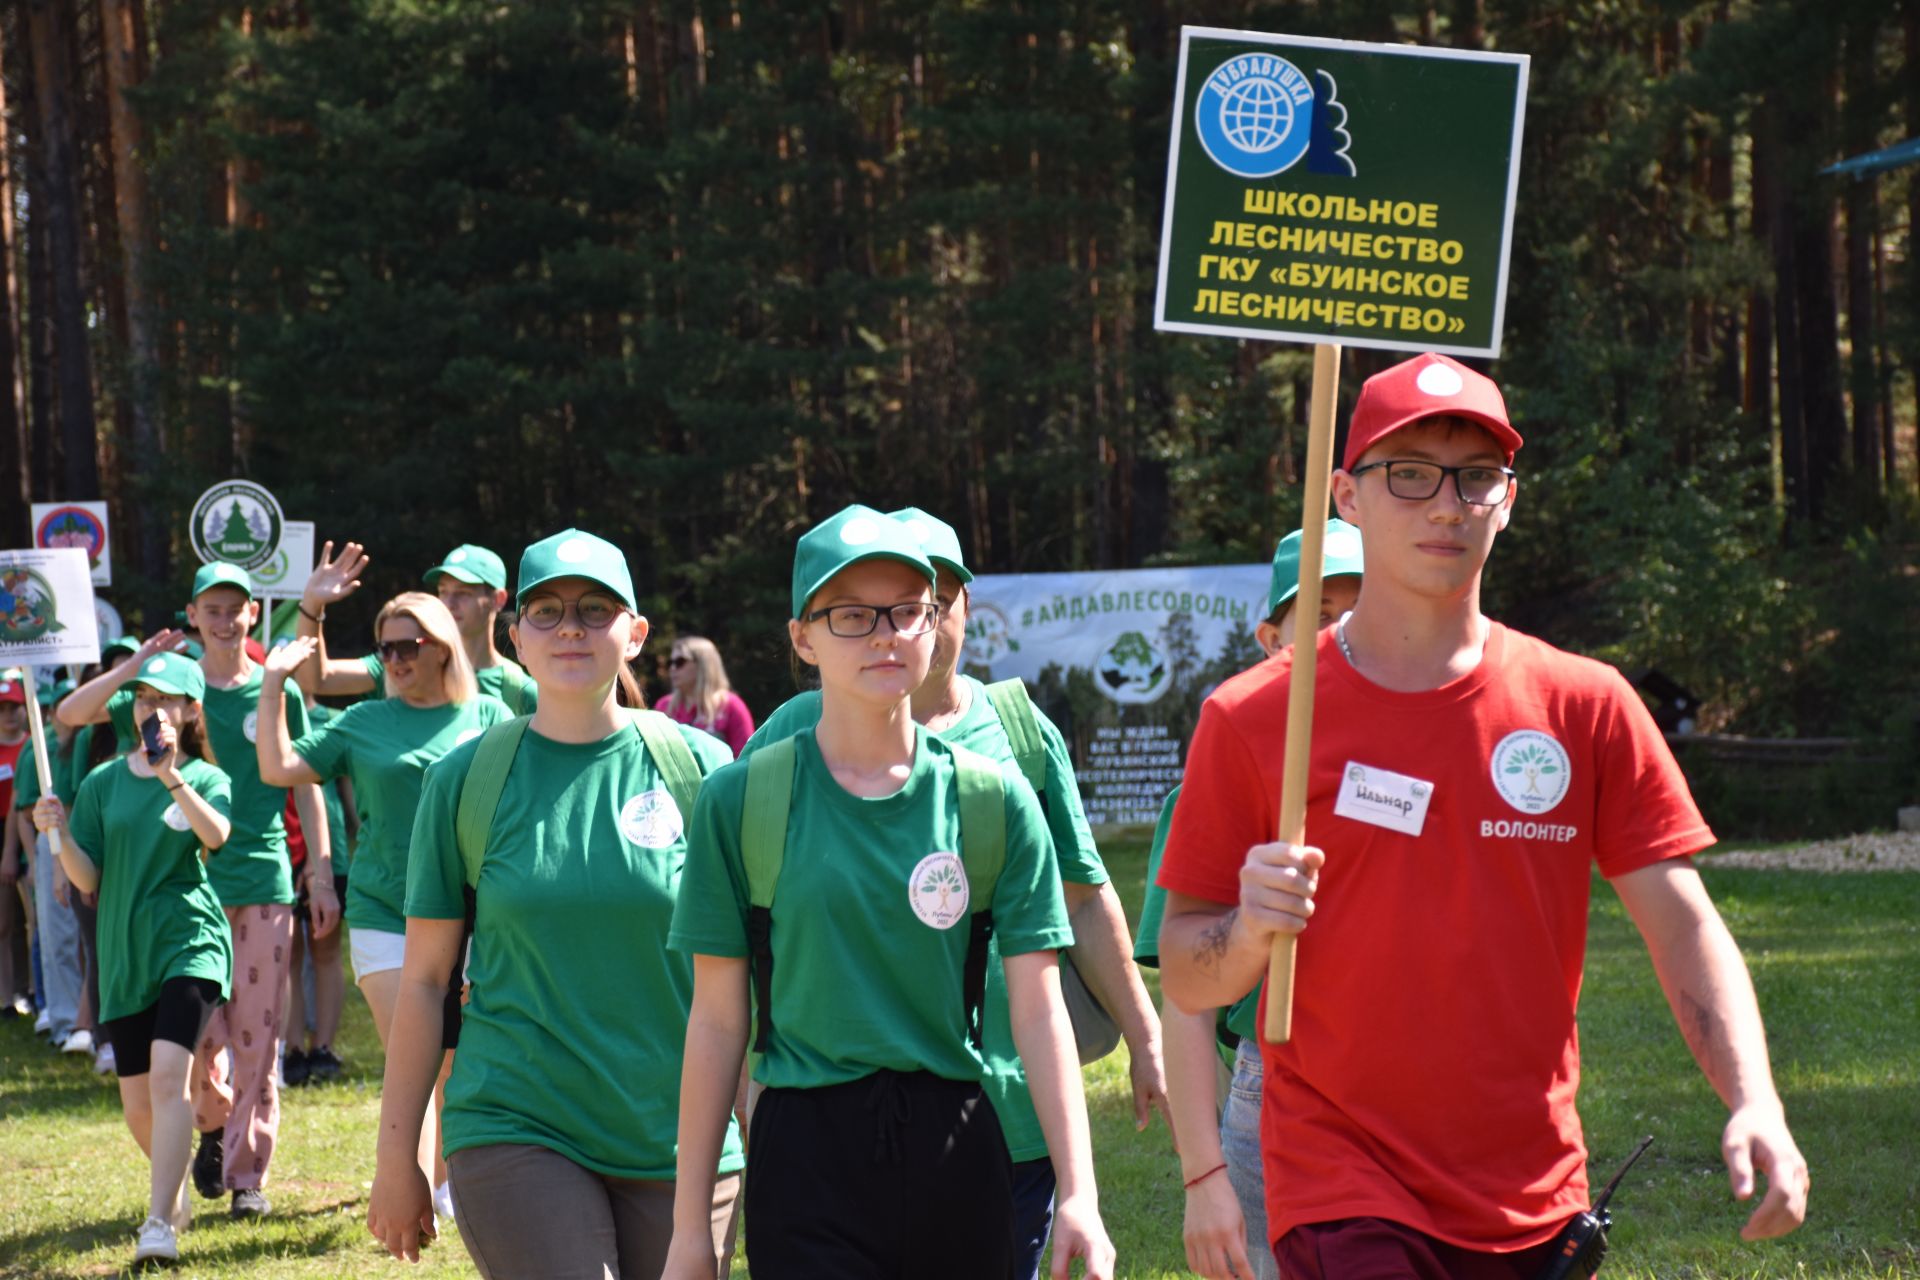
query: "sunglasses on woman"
401, 650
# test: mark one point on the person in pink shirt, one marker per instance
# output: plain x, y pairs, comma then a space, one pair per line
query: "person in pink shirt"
701, 695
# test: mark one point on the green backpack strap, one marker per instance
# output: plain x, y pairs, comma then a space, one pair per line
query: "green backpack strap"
763, 848
1015, 709
514, 684
480, 793
983, 852
673, 758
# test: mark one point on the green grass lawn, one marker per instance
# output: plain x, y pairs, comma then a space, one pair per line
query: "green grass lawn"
1835, 959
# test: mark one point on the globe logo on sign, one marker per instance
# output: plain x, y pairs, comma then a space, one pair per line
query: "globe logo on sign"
1254, 115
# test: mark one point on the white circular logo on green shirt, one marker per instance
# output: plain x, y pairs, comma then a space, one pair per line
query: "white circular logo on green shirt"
1531, 770
651, 820
251, 726
174, 818
937, 890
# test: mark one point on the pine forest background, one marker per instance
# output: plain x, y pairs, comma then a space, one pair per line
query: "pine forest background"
693, 274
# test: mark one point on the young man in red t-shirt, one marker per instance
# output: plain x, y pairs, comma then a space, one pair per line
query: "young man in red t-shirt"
1421, 1122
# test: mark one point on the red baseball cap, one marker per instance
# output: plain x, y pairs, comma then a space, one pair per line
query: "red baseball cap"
12, 689
1423, 387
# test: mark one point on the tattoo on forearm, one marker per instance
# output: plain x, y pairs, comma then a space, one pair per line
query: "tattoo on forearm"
1211, 946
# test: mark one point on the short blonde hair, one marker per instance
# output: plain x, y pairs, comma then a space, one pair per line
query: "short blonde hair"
456, 678
710, 684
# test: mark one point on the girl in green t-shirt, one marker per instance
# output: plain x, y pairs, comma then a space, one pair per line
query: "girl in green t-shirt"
560, 1112
140, 828
385, 745
874, 1151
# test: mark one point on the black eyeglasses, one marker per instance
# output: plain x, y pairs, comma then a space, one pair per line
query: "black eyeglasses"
595, 611
401, 650
851, 621
678, 662
1478, 486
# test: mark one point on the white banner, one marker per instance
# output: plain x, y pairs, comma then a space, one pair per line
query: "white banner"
46, 608
77, 524
1120, 661
283, 577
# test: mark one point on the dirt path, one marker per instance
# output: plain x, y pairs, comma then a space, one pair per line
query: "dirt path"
1885, 852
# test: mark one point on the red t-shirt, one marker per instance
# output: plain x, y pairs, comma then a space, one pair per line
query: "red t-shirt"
1431, 1074
11, 754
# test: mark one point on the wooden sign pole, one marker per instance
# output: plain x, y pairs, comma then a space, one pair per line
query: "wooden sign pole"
37, 728
1278, 1023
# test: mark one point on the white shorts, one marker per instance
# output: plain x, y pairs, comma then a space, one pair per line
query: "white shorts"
376, 951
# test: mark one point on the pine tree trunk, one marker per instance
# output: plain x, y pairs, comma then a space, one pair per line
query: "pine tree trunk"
53, 70
123, 30
1862, 211
15, 481
37, 308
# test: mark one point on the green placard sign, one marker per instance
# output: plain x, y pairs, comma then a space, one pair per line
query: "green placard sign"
1329, 191
237, 521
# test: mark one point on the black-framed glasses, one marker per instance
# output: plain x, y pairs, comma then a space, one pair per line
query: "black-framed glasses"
596, 611
1416, 481
851, 621
401, 650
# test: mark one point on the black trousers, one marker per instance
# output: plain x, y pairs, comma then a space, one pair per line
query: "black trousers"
891, 1177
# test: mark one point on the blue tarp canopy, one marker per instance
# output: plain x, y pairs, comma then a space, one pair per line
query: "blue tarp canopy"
1892, 157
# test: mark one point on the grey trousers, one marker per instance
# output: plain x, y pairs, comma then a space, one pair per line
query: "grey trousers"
61, 972
526, 1211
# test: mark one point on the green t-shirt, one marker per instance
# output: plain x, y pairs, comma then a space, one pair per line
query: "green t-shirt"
385, 746
979, 730
578, 1020
251, 868
159, 917
496, 681
861, 980
318, 716
1238, 1017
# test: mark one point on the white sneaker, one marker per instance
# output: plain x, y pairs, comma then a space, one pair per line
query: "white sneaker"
81, 1041
43, 1023
103, 1060
443, 1201
156, 1243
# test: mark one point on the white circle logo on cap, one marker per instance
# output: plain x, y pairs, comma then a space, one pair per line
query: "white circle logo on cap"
573, 551
458, 555
1342, 544
1438, 380
156, 667
859, 531
921, 530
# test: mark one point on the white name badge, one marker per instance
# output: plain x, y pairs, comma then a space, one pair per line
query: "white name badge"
1383, 798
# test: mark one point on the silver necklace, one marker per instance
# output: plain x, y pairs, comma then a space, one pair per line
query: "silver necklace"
1340, 634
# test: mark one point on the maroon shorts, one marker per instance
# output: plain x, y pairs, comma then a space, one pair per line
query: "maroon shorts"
1376, 1249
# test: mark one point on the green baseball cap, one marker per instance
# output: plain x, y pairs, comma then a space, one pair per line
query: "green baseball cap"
937, 539
471, 564
125, 644
575, 554
52, 691
849, 536
173, 673
1339, 556
221, 574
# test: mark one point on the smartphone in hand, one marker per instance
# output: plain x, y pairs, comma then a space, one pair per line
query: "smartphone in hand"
150, 735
